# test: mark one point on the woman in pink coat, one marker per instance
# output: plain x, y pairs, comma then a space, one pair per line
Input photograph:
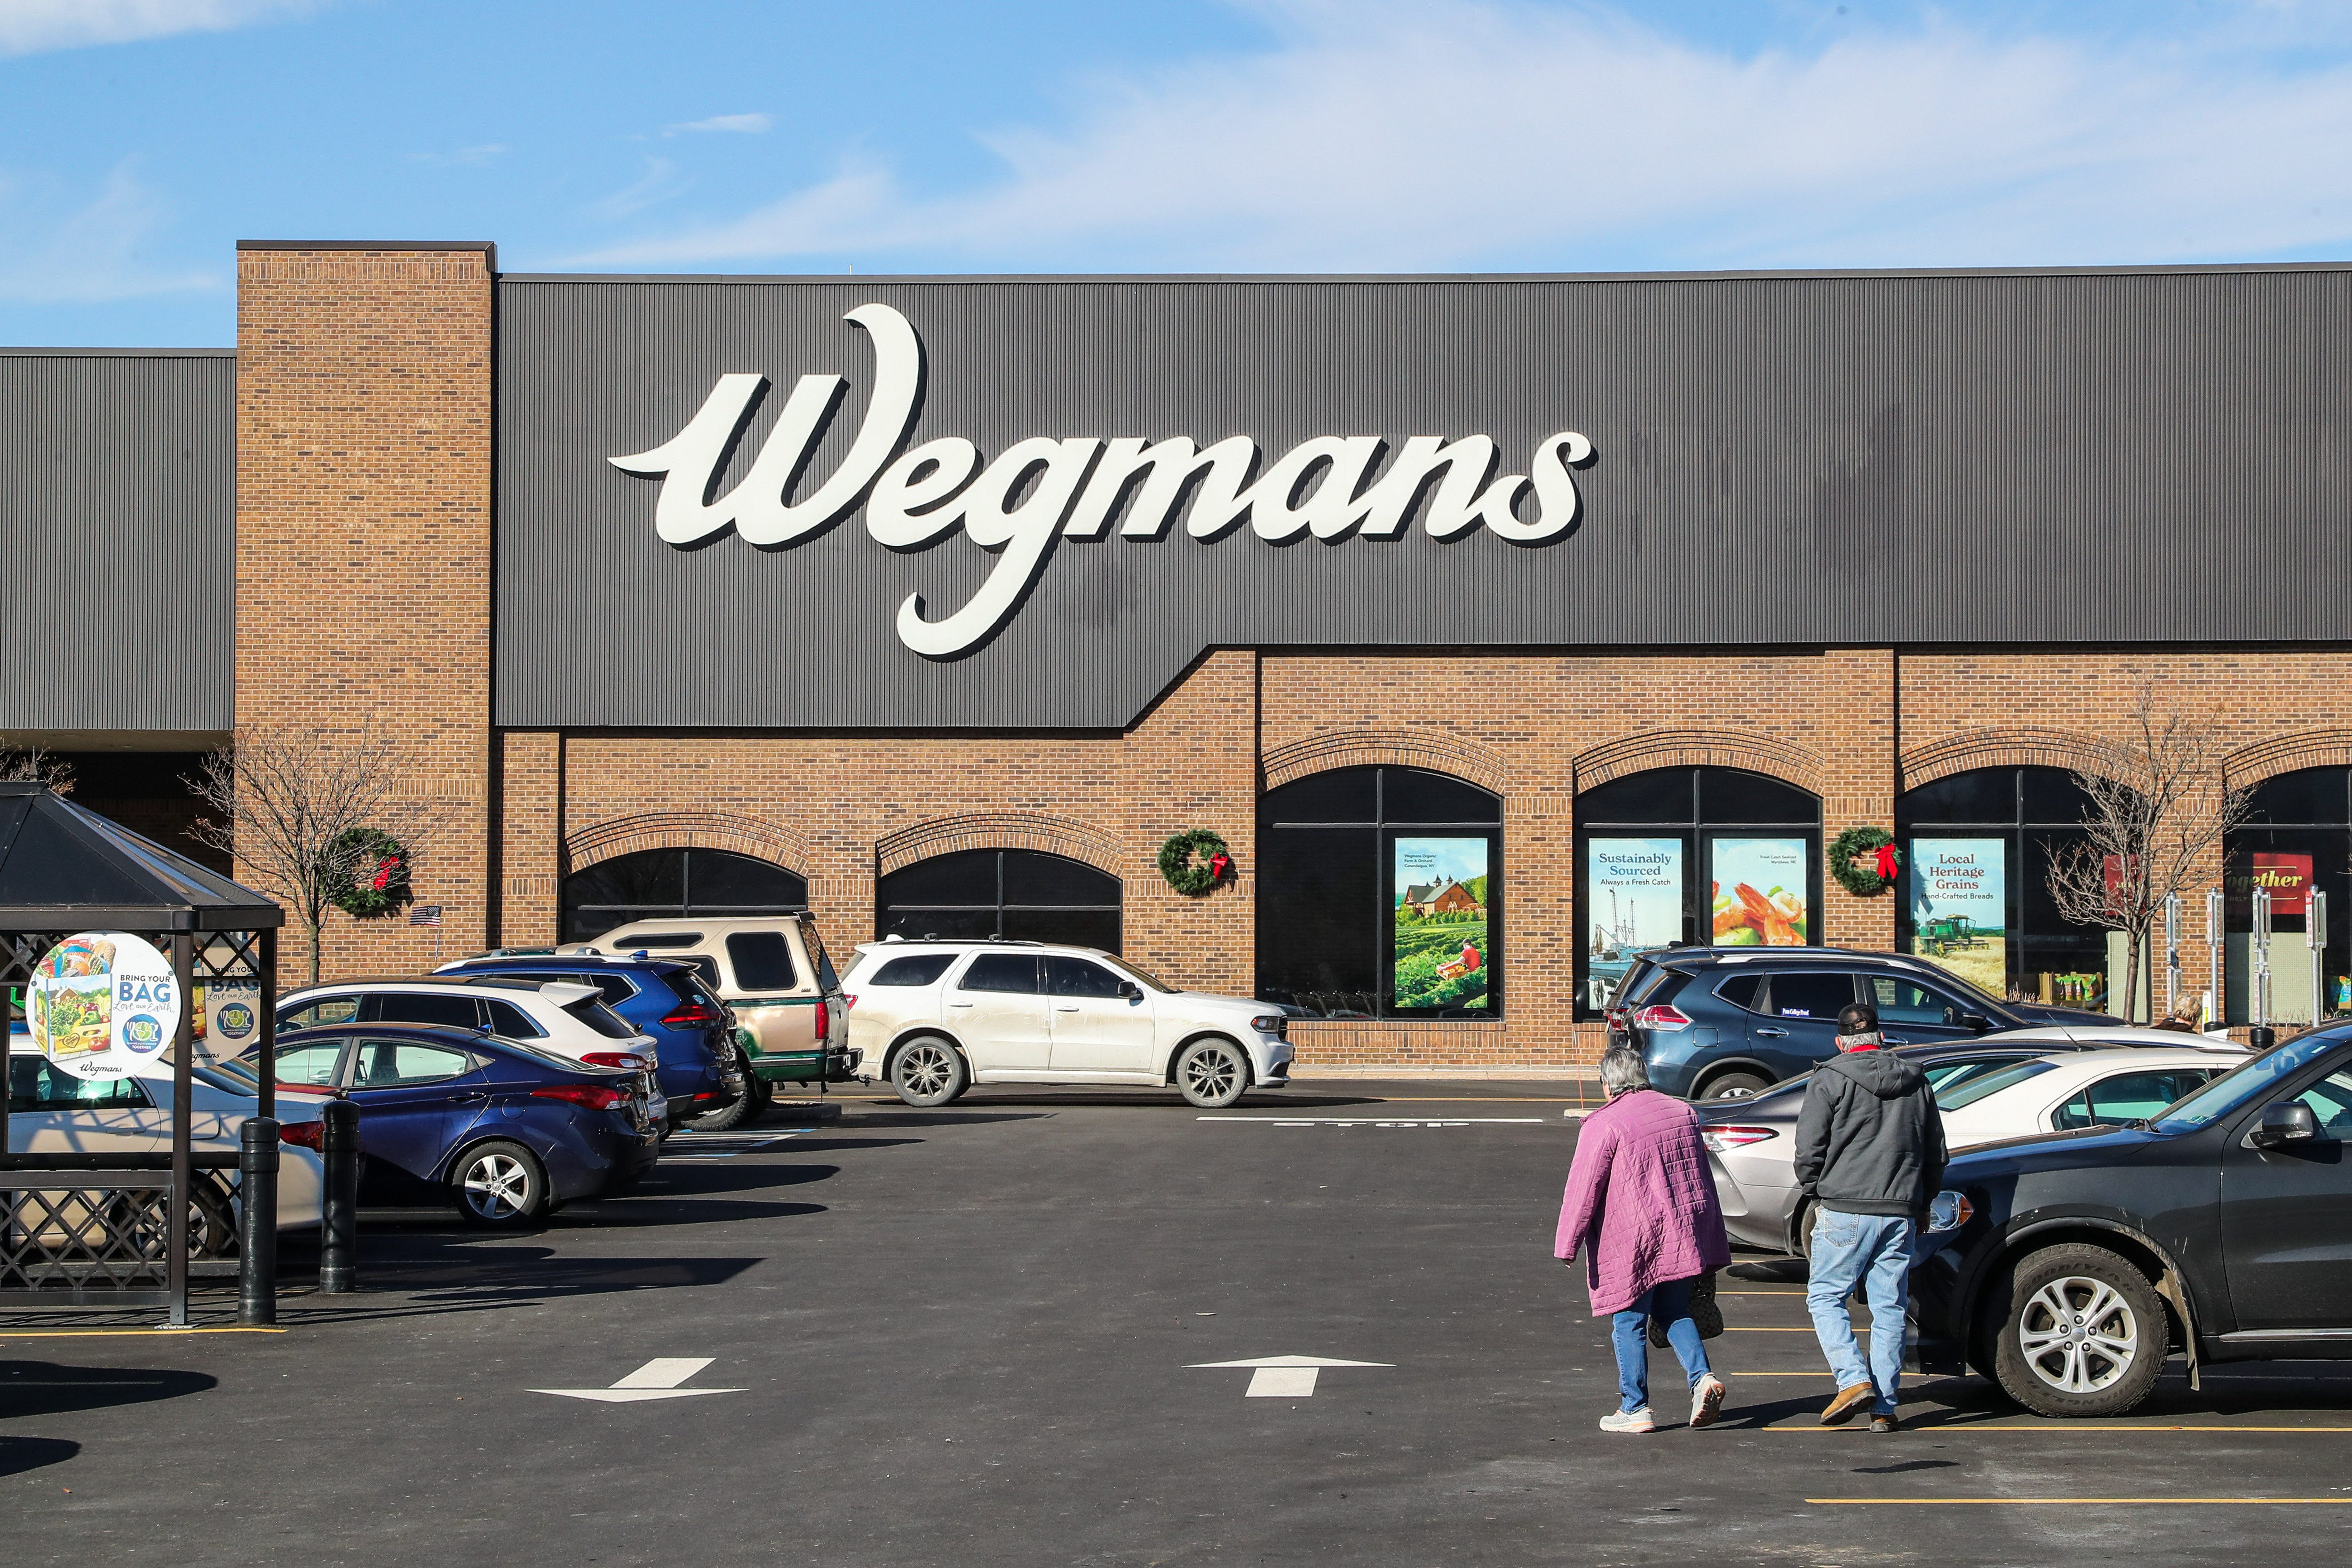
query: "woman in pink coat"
1641, 1206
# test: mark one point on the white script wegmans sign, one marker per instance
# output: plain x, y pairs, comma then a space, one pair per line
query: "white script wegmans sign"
1324, 486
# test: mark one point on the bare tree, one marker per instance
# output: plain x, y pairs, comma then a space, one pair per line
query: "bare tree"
37, 766
2158, 807
286, 803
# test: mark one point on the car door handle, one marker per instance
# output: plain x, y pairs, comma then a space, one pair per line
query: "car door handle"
1774, 1034
959, 1004
1060, 1007
1897, 1040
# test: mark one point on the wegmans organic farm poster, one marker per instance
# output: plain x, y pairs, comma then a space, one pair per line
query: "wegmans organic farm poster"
1439, 926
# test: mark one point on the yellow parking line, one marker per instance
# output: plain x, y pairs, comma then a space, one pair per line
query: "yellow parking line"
112, 1333
1930, 1502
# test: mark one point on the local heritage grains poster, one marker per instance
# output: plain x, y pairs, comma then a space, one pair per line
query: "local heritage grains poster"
1632, 901
1442, 955
1959, 908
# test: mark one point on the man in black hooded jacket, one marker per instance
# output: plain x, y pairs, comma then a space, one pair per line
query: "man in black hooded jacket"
1870, 1154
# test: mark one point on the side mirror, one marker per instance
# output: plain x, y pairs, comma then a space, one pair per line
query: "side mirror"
1977, 1022
1130, 990
2288, 1121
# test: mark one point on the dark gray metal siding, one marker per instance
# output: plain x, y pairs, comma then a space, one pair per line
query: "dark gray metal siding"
2141, 456
117, 518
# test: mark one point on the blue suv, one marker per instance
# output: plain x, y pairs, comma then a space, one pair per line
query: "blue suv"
1728, 1023
693, 1031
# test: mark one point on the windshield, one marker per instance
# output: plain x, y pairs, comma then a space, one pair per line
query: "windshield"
1970, 1090
1149, 981
2236, 1087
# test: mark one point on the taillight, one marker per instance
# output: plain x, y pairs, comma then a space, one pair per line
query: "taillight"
1660, 1016
693, 1016
824, 1022
1723, 1139
627, 1062
1615, 1017
303, 1134
847, 1001
595, 1097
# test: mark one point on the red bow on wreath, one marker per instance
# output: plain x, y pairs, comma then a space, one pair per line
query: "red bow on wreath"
1886, 863
1219, 864
384, 872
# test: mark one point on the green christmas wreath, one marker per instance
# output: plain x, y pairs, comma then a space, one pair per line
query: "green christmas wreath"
367, 873
1195, 861
1866, 881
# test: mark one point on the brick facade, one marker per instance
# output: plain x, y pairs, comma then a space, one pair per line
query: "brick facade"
365, 569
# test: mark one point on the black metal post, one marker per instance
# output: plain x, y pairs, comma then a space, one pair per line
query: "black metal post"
2261, 1038
266, 1066
339, 1240
256, 1255
178, 1207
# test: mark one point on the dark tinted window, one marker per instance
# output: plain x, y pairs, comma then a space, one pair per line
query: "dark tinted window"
1732, 795
325, 1010
1900, 1001
2050, 797
656, 941
1048, 879
968, 876
762, 960
454, 1009
720, 881
511, 1021
1319, 927
309, 1064
1410, 794
1741, 990
1020, 894
1810, 994
614, 988
1343, 795
600, 1018
921, 969
391, 1064
1988, 796
1075, 928
1002, 971
1661, 796
676, 884
1076, 977
2309, 797
35, 1084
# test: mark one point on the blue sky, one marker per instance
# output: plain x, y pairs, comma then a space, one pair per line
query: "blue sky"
139, 138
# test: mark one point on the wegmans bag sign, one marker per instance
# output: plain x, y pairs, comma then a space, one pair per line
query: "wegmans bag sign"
1016, 501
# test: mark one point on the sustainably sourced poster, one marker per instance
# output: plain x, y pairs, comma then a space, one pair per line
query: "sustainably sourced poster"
1959, 908
1440, 922
1760, 891
1632, 899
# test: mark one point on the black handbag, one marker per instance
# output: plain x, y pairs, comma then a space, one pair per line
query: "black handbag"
1703, 1311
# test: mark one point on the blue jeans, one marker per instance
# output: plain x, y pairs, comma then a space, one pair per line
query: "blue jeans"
1629, 1333
1873, 1250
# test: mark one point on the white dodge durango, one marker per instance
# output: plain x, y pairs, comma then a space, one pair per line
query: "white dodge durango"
932, 1019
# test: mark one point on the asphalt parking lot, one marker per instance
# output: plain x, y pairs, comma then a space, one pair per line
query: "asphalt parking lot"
978, 1333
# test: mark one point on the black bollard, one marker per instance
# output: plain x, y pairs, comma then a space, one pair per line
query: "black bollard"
256, 1222
2261, 1038
339, 1238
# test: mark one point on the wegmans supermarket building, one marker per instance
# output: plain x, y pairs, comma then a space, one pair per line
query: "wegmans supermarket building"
1496, 625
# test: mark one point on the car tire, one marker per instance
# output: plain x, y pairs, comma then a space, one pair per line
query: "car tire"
927, 1072
2079, 1333
498, 1184
1734, 1086
212, 1222
1806, 1215
746, 1106
1212, 1073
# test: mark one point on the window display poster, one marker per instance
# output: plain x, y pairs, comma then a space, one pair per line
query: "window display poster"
1632, 901
1439, 928
1760, 891
1959, 908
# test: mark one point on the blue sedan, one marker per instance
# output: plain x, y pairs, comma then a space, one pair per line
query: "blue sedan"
507, 1133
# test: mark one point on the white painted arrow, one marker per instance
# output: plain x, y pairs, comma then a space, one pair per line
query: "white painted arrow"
1284, 1376
657, 1379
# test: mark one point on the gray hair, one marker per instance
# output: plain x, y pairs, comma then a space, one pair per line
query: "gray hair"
1623, 1071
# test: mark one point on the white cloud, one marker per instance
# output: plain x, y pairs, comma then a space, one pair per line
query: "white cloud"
743, 124
658, 183
28, 26
1483, 132
89, 255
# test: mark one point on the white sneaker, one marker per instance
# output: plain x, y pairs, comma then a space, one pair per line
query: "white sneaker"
1707, 1401
1629, 1421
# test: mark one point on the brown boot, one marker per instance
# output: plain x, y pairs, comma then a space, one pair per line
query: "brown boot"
1851, 1398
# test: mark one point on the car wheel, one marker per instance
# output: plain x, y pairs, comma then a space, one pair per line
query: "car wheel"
2082, 1333
1734, 1086
212, 1222
499, 1184
927, 1072
1212, 1073
745, 1108
1804, 1228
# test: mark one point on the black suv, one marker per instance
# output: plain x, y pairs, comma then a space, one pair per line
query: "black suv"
1725, 1023
2066, 1266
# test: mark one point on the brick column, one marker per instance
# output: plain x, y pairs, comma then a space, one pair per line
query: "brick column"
1858, 785
363, 541
530, 831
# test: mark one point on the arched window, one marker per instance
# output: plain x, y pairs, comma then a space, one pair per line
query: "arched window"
1023, 894
1975, 900
655, 884
1692, 855
1378, 896
2296, 837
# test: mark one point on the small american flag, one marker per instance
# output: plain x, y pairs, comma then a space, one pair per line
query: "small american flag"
424, 914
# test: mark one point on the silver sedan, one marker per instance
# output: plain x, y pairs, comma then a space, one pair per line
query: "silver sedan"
1752, 1143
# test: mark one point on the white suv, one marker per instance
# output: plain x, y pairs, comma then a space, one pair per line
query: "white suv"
931, 1018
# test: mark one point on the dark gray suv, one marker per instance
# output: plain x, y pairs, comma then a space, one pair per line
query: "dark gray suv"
1724, 1023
